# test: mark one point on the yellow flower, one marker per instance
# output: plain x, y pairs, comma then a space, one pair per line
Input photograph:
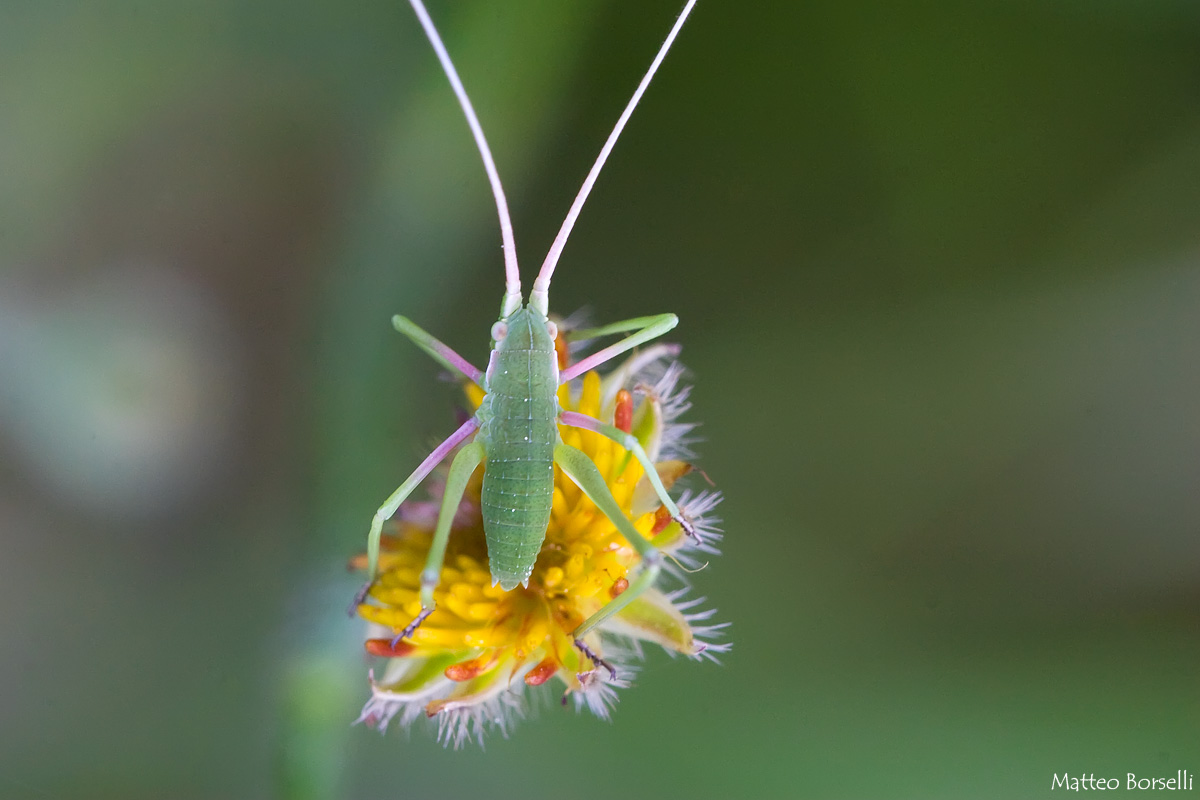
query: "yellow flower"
468, 665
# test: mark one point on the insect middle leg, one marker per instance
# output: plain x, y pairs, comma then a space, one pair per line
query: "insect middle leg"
401, 494
580, 469
464, 464
647, 328
576, 420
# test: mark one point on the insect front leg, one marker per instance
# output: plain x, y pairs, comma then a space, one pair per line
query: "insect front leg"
630, 443
647, 328
461, 468
401, 494
580, 469
438, 351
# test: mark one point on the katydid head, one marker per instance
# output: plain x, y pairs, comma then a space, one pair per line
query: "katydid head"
539, 297
525, 329
523, 318
522, 315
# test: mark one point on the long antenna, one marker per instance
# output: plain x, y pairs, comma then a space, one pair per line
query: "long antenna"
539, 297
512, 275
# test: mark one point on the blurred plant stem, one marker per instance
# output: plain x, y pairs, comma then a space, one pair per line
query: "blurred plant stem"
412, 214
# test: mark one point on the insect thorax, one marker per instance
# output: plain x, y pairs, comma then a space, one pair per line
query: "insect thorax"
518, 426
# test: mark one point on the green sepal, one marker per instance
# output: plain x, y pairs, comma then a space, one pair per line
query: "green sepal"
645, 499
648, 426
670, 538
420, 676
477, 690
652, 618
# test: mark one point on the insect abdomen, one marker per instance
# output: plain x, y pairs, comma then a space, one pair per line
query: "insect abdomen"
518, 479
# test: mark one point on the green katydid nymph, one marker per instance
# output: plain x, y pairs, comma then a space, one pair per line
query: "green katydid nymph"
514, 434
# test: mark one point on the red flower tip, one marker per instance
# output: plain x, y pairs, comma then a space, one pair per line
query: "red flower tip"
466, 670
385, 648
541, 673
623, 415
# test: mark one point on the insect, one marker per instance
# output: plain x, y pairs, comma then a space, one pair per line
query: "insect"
514, 434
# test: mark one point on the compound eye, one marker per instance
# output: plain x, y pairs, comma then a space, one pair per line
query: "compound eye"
499, 331
551, 329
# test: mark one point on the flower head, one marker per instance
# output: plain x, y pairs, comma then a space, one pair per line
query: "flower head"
469, 665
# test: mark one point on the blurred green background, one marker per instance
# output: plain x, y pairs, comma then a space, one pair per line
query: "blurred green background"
938, 271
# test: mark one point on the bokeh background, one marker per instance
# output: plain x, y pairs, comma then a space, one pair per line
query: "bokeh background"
938, 270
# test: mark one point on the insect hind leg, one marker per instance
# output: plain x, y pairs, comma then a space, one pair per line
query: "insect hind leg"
401, 494
595, 659
580, 469
461, 469
576, 420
